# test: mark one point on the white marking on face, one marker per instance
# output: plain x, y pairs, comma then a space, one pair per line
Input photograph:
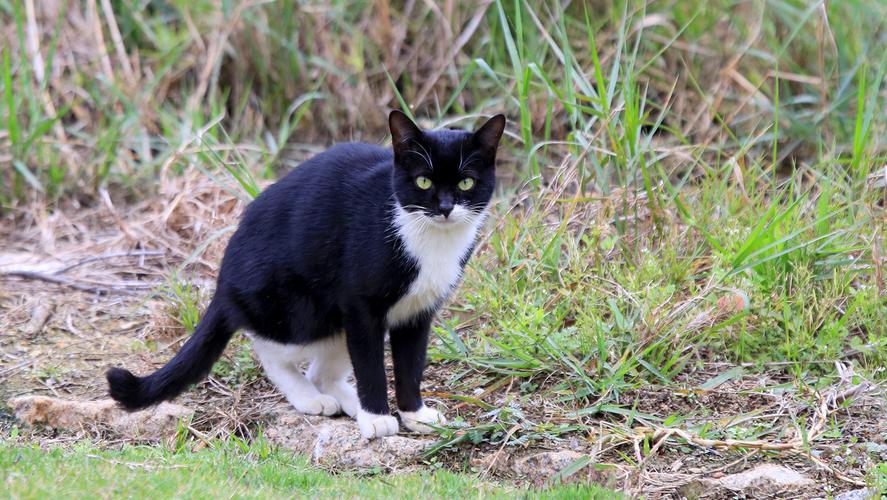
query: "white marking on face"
437, 246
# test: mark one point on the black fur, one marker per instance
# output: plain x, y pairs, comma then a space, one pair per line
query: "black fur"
317, 252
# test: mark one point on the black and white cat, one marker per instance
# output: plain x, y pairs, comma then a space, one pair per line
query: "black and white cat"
356, 242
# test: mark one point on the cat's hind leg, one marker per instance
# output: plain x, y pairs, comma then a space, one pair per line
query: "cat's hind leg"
329, 372
281, 365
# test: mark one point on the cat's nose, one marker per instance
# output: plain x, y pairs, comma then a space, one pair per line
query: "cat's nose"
446, 207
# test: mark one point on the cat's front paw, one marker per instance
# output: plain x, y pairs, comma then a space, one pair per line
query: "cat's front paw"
346, 395
322, 404
375, 426
416, 420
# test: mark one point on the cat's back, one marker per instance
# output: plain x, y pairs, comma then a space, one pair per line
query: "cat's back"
315, 202
324, 181
339, 164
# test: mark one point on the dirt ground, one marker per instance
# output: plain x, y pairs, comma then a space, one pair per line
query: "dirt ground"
85, 289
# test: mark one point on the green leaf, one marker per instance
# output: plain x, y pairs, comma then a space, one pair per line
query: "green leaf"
732, 373
27, 175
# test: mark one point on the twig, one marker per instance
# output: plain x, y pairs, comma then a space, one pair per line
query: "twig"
113, 255
11, 370
99, 288
94, 287
663, 433
201, 436
838, 474
495, 458
724, 467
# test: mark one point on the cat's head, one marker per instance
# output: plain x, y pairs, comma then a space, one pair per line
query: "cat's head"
445, 175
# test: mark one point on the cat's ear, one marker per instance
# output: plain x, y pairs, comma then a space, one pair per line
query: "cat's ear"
487, 137
402, 129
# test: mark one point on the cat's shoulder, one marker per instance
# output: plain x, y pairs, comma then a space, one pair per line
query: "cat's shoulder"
345, 159
359, 150
336, 164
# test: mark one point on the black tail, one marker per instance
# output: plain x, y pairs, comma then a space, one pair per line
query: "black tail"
190, 365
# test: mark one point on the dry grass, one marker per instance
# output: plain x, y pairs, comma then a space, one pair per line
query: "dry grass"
686, 264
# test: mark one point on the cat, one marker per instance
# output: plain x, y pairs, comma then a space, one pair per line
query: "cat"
355, 243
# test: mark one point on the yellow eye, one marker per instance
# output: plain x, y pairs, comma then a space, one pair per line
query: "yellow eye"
466, 184
423, 182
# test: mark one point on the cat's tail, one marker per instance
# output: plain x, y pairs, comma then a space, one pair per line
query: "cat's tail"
190, 365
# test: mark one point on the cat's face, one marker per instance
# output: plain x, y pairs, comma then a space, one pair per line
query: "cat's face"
446, 175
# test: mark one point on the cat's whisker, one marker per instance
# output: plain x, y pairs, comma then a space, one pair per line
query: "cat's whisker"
420, 155
427, 154
472, 158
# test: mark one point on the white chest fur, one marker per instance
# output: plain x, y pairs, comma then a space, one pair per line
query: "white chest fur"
437, 250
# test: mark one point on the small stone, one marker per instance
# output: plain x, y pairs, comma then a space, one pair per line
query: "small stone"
861, 494
763, 480
39, 317
540, 468
767, 473
878, 449
546, 463
492, 462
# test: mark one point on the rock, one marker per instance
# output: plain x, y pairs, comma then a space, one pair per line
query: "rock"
498, 462
103, 415
546, 464
541, 468
862, 494
337, 442
39, 317
763, 480
877, 449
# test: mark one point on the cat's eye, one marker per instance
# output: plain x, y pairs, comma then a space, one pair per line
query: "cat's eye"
423, 182
466, 184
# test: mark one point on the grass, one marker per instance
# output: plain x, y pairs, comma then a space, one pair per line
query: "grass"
689, 189
878, 477
230, 469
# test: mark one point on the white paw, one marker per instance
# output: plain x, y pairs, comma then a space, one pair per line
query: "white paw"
416, 420
375, 426
322, 404
346, 395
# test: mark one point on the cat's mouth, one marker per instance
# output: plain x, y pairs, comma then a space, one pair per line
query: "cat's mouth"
442, 220
457, 217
